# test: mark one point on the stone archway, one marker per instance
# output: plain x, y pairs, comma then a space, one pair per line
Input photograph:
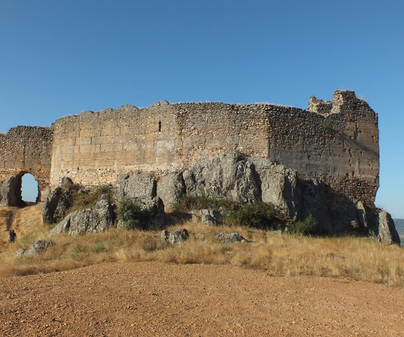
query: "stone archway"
18, 189
11, 190
30, 192
24, 150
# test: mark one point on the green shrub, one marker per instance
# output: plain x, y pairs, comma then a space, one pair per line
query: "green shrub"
303, 227
83, 198
241, 156
258, 215
98, 247
189, 202
328, 124
130, 214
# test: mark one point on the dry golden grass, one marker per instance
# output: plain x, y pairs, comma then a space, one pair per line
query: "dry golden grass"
277, 254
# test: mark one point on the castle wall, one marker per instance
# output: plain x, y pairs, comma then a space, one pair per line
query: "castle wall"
25, 149
209, 129
95, 148
336, 142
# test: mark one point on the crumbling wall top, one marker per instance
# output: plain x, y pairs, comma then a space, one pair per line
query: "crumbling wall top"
343, 101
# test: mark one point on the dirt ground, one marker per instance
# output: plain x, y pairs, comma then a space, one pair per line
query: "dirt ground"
157, 299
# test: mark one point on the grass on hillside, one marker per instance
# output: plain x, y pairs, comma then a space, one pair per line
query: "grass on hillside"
279, 255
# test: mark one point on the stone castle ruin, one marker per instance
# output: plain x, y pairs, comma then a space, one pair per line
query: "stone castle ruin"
335, 143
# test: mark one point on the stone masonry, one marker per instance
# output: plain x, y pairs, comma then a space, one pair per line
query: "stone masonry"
336, 142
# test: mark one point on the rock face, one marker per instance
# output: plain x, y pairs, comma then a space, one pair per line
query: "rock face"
92, 220
387, 230
155, 217
175, 236
250, 180
135, 186
278, 185
207, 216
56, 205
227, 176
35, 248
234, 177
170, 188
229, 238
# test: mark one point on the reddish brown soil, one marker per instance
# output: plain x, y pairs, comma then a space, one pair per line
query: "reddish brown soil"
157, 299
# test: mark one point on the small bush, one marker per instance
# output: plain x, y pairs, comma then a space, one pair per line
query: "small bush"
328, 124
258, 215
241, 156
130, 214
303, 227
189, 202
98, 247
149, 243
83, 198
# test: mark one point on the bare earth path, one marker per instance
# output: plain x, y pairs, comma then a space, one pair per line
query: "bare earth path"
157, 299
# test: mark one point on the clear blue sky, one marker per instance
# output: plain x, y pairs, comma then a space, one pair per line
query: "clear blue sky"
62, 57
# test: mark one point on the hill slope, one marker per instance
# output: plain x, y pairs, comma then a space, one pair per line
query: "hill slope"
25, 221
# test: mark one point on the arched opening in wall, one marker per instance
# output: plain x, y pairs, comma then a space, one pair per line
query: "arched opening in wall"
29, 190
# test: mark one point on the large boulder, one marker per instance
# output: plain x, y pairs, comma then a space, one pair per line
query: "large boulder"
176, 236
227, 176
207, 216
135, 186
278, 186
91, 220
35, 248
170, 188
230, 238
156, 217
56, 205
387, 230
147, 214
313, 203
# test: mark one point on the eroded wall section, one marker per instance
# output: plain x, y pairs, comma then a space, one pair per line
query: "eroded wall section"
25, 149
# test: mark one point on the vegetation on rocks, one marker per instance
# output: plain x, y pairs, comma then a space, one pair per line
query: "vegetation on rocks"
130, 214
86, 198
189, 202
258, 215
303, 227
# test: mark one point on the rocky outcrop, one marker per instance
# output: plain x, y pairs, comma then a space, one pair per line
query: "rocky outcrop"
227, 176
35, 248
176, 236
234, 177
170, 188
278, 186
250, 180
135, 186
387, 232
207, 216
56, 205
230, 238
92, 220
140, 189
154, 217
